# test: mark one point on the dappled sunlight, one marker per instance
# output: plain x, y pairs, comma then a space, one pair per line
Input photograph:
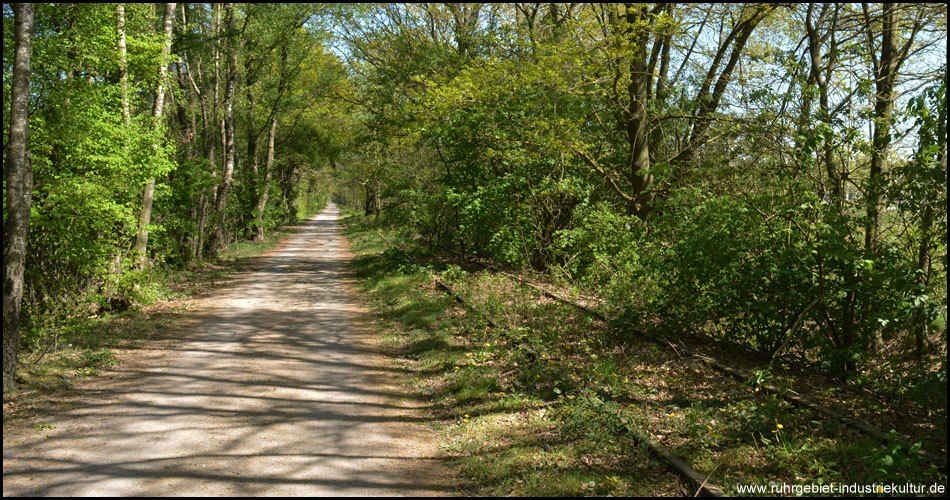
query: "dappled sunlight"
274, 390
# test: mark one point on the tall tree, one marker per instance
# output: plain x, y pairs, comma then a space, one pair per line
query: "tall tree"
886, 60
228, 134
145, 216
822, 69
265, 189
19, 180
637, 121
710, 95
640, 40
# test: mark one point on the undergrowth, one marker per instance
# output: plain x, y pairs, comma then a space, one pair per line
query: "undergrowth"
551, 402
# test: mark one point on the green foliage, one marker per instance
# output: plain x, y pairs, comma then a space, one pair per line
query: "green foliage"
594, 396
729, 265
590, 416
510, 140
93, 361
605, 251
891, 461
90, 165
929, 390
138, 287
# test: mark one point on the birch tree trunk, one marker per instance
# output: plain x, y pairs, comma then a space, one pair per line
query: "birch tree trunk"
227, 174
145, 216
123, 63
19, 179
262, 199
115, 264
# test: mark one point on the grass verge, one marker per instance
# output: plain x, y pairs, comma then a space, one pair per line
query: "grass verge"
502, 430
549, 402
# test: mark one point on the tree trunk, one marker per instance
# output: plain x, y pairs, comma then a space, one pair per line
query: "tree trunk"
225, 186
71, 53
661, 77
115, 264
210, 134
251, 137
286, 191
145, 216
709, 95
885, 75
123, 63
369, 201
19, 179
188, 123
821, 72
265, 189
200, 230
920, 321
637, 123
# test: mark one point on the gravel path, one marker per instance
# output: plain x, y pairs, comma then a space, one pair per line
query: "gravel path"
275, 388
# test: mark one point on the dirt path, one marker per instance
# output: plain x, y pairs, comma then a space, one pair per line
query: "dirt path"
275, 389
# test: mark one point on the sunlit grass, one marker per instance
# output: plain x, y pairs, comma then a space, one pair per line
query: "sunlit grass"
529, 408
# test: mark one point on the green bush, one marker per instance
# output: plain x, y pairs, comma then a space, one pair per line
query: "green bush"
589, 416
607, 252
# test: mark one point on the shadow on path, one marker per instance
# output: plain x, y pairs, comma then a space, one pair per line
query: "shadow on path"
275, 389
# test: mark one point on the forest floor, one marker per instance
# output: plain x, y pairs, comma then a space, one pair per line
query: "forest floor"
272, 385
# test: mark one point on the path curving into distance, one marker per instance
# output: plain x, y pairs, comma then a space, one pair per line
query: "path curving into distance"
275, 388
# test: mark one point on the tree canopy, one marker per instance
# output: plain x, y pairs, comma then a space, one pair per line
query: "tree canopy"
772, 175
